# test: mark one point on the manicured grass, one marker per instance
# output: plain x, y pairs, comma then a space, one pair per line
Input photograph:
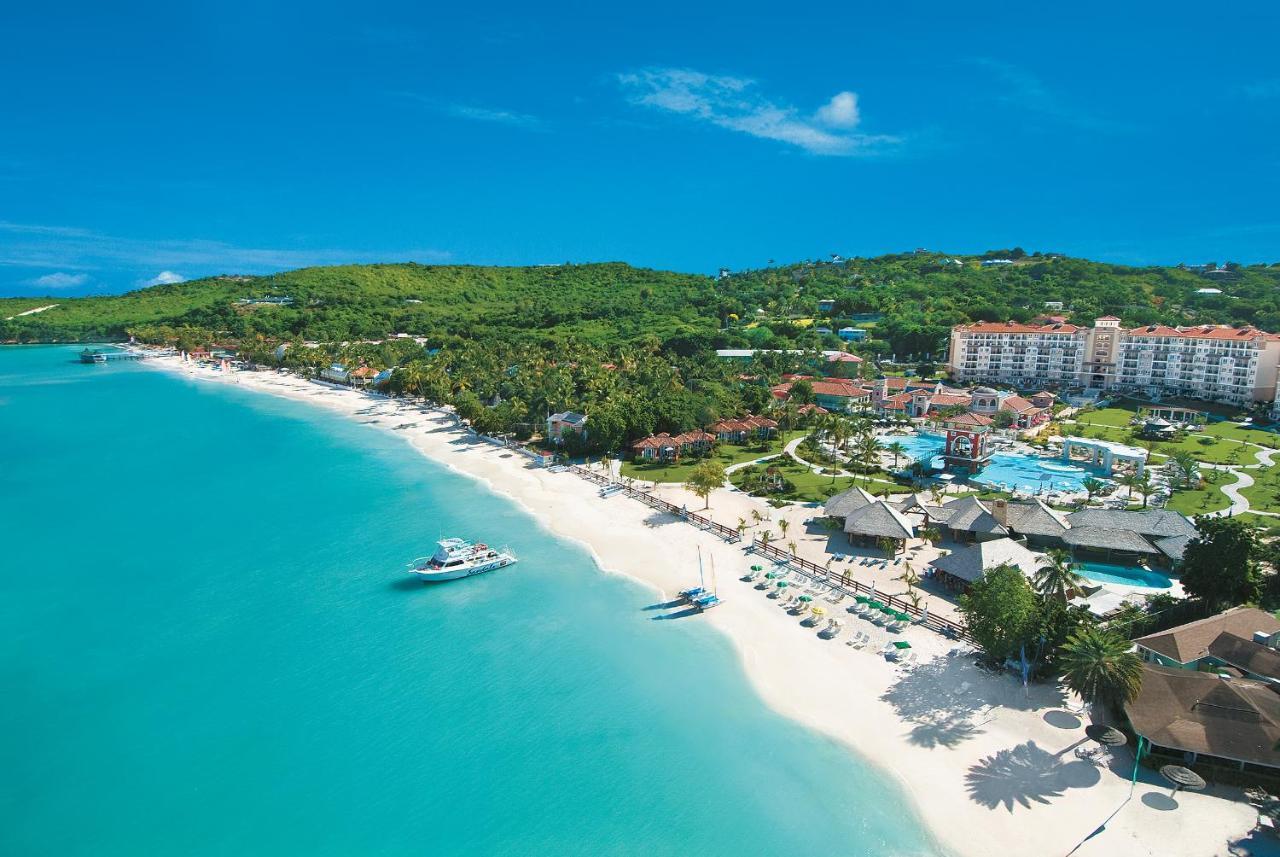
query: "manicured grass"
1107, 417
1233, 431
1269, 524
725, 453
1264, 493
1207, 499
810, 487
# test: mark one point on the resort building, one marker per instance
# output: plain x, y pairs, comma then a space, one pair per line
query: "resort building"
852, 334
962, 568
566, 421
834, 394
744, 429
337, 373
1154, 535
868, 521
1242, 641
1187, 715
665, 447
1219, 363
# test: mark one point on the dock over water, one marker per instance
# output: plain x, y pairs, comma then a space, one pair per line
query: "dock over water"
98, 355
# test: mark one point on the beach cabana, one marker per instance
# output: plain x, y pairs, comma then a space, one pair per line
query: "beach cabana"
962, 568
969, 519
876, 521
841, 506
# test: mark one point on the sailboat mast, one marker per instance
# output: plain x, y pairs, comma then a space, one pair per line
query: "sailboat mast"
701, 583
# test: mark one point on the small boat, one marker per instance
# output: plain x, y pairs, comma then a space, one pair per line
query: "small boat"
706, 602
455, 558
691, 594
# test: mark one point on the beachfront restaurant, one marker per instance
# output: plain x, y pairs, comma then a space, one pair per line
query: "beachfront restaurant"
1214, 723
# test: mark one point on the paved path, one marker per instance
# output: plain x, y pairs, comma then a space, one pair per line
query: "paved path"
1239, 502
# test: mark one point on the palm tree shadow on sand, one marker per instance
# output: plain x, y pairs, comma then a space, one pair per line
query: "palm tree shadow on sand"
1025, 774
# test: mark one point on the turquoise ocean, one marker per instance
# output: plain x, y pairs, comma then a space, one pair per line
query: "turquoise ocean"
209, 646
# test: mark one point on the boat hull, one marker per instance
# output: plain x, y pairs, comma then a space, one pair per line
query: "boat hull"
440, 575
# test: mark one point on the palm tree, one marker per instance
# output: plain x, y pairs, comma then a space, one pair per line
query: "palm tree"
931, 534
742, 526
765, 538
1058, 579
1098, 665
792, 547
1184, 461
755, 516
1143, 483
897, 450
784, 525
1091, 486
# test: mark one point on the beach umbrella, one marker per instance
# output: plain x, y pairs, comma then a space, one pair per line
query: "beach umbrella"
771, 575
901, 645
1107, 736
1182, 778
902, 617
782, 584
861, 599
874, 605
818, 611
757, 568
806, 598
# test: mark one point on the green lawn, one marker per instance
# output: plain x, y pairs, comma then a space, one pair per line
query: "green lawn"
810, 487
725, 453
1207, 499
1264, 493
1107, 417
1224, 448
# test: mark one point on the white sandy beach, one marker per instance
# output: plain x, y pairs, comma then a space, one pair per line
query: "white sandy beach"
990, 768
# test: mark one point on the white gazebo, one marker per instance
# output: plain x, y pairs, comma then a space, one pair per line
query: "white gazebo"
1103, 454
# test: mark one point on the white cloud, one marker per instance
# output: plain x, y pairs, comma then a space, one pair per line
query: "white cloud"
60, 280
489, 114
841, 111
165, 278
735, 104
74, 249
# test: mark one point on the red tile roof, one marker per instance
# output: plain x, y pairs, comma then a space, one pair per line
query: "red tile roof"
967, 419
1015, 327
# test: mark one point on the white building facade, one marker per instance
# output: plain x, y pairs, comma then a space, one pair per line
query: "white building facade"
1235, 366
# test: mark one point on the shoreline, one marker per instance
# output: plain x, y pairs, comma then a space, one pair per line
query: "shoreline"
986, 766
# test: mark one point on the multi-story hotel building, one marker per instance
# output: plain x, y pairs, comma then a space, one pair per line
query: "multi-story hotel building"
1224, 364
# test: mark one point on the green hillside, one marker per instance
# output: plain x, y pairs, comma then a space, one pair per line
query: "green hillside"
373, 301
908, 302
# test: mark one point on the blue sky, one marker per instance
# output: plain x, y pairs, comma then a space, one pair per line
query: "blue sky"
167, 141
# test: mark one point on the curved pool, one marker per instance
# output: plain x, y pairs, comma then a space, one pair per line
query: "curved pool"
1034, 474
1124, 575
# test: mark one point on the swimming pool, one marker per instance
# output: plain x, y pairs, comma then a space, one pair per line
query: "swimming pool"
1125, 575
1016, 471
920, 447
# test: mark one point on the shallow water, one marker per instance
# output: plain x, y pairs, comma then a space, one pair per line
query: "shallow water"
208, 646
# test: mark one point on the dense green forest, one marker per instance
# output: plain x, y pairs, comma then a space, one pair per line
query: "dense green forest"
908, 302
630, 346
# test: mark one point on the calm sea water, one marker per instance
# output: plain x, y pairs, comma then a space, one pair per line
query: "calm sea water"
208, 646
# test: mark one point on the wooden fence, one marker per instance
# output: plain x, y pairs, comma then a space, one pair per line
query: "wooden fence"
833, 578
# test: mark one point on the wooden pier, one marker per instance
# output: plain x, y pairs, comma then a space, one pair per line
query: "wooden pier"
98, 355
